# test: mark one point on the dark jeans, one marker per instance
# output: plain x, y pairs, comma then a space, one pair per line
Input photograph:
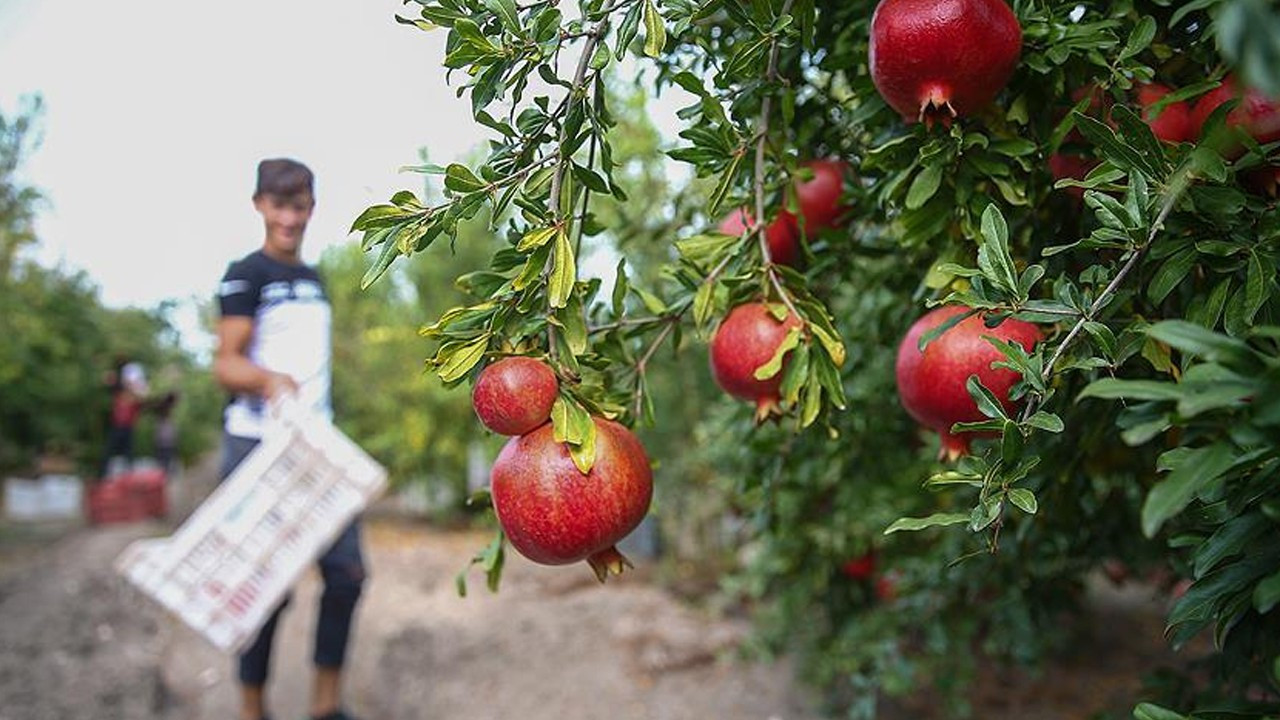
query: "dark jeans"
342, 568
119, 444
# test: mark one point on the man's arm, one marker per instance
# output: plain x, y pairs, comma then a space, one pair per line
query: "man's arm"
234, 370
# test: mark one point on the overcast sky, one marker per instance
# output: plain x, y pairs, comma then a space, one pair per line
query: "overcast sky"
156, 114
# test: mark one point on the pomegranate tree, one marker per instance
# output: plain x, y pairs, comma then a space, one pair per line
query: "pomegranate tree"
931, 384
554, 514
781, 234
514, 395
937, 59
746, 340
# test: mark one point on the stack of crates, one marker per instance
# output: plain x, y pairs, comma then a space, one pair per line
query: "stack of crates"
230, 564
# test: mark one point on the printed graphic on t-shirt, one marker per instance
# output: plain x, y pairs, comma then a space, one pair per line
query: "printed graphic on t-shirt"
291, 332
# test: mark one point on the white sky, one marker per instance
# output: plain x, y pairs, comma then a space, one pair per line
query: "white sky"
156, 114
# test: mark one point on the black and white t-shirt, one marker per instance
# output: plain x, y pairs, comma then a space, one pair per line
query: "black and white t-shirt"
291, 332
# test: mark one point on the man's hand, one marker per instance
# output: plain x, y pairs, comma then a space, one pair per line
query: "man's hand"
278, 385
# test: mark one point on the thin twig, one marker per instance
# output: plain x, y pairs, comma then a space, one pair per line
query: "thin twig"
644, 362
762, 139
1103, 298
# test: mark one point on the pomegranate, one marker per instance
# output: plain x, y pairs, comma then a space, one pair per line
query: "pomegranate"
515, 395
781, 234
818, 198
747, 339
1256, 114
931, 384
1075, 167
555, 515
1173, 124
937, 59
861, 567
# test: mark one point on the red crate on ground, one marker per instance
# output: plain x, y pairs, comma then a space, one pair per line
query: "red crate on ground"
113, 502
150, 487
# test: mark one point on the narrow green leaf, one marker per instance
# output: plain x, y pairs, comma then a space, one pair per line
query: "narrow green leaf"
1046, 421
774, 366
1143, 33
563, 271
1194, 470
935, 520
1148, 711
724, 186
620, 288
628, 29
655, 33
389, 253
459, 178
987, 403
536, 237
1024, 500
506, 11
462, 359
924, 186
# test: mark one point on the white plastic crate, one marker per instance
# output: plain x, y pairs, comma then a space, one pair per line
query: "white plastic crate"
230, 564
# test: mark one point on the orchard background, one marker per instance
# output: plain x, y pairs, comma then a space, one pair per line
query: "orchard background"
1145, 436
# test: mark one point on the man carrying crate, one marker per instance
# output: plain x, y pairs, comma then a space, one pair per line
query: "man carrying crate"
273, 340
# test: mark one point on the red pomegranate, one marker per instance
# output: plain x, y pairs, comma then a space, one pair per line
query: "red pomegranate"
1075, 167
746, 339
818, 198
1256, 114
555, 515
931, 384
781, 235
937, 59
1173, 124
861, 567
515, 395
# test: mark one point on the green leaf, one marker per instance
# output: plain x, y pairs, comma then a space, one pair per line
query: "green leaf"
535, 237
774, 366
993, 256
620, 288
1197, 340
1148, 711
506, 11
655, 33
1171, 274
1115, 389
935, 520
459, 178
564, 271
389, 253
987, 403
583, 454
1046, 421
1191, 472
924, 186
1024, 500
628, 29
460, 360
1141, 36
724, 186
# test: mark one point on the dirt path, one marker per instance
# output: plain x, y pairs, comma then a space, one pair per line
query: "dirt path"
77, 643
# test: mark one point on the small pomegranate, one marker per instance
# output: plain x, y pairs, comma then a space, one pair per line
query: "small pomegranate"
1173, 124
555, 515
861, 567
1256, 114
1075, 167
931, 384
781, 235
937, 59
514, 395
818, 198
747, 339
